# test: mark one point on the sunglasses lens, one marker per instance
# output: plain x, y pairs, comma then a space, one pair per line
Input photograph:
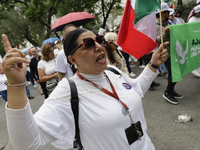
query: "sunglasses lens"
100, 39
89, 43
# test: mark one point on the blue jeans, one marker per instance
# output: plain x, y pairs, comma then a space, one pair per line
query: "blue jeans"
4, 94
27, 91
162, 68
29, 77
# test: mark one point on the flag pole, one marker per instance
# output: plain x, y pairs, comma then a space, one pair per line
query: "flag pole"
161, 36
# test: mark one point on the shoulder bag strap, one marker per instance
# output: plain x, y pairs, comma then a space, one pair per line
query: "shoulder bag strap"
75, 110
113, 70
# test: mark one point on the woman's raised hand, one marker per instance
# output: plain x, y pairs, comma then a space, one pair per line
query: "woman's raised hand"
14, 63
160, 55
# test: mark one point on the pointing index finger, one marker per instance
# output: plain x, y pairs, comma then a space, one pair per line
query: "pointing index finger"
6, 43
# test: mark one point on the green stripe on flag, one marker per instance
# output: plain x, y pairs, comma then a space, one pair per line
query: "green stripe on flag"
167, 1
184, 49
144, 8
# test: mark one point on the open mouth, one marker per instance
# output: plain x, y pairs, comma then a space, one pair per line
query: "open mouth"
101, 59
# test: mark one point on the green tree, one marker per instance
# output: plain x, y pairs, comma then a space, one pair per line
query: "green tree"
108, 7
180, 4
35, 17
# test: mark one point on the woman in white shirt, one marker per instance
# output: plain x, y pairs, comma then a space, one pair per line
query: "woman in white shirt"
103, 109
47, 64
196, 15
177, 17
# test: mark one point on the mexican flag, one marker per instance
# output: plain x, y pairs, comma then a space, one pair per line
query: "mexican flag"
184, 49
139, 39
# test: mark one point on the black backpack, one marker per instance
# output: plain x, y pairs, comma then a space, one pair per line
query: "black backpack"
75, 109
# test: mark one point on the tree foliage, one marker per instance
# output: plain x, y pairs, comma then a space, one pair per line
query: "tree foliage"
31, 20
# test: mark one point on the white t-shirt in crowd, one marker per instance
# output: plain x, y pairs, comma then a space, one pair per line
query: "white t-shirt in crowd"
194, 19
63, 65
3, 78
178, 20
48, 66
101, 122
56, 51
29, 58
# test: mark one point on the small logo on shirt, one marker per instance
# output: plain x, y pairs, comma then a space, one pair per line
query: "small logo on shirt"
127, 86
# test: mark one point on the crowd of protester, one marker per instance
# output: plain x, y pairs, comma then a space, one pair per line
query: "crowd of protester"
116, 56
39, 77
59, 62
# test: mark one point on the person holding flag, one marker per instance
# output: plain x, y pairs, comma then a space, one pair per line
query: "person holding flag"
111, 115
137, 35
169, 94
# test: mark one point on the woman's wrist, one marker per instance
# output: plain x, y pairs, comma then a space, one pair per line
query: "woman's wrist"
153, 66
20, 84
11, 82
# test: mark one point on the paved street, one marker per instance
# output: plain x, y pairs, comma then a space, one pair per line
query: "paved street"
166, 134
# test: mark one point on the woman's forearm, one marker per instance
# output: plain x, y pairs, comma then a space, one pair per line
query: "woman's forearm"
47, 78
23, 130
17, 97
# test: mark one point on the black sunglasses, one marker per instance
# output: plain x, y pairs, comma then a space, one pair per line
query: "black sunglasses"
90, 43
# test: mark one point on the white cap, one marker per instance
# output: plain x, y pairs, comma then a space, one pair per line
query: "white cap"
110, 29
171, 13
101, 31
115, 28
56, 42
197, 9
198, 1
165, 7
111, 37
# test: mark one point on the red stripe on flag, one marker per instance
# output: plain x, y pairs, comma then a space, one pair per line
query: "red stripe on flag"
131, 40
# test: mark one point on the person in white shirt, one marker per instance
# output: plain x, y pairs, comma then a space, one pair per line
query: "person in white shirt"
29, 77
177, 17
196, 15
171, 20
63, 67
58, 48
46, 66
103, 109
192, 11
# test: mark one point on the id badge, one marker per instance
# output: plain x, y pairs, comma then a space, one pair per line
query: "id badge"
134, 132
